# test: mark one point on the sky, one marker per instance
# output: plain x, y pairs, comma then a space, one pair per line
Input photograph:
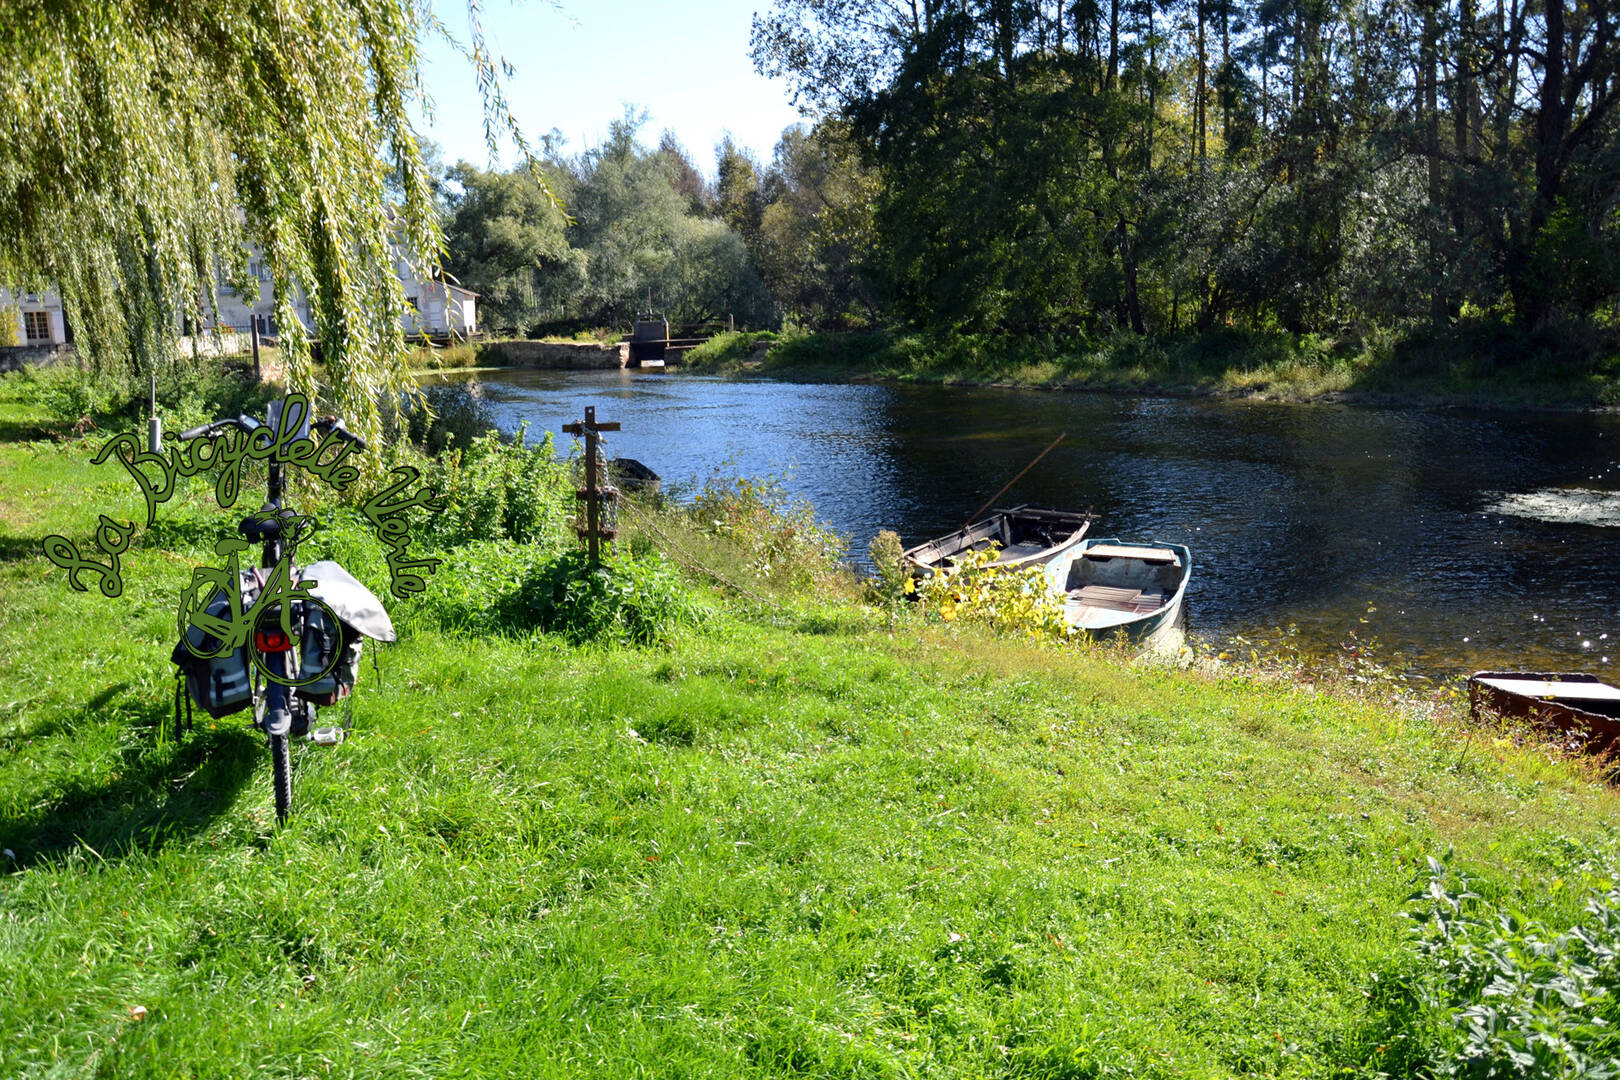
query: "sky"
579, 65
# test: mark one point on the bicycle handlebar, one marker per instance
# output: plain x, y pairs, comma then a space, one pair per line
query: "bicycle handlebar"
247, 423
335, 426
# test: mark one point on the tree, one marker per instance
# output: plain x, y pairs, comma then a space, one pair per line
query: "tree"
737, 196
687, 180
637, 233
507, 240
1304, 164
143, 143
816, 229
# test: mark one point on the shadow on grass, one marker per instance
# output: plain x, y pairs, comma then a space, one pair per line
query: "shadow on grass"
157, 793
13, 431
18, 548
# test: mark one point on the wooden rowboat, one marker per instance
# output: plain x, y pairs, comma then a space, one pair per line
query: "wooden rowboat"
1027, 535
1112, 587
1584, 706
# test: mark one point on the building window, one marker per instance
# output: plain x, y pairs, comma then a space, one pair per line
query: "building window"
37, 325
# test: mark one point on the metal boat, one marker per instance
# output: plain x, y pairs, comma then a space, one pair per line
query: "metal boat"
1026, 535
1114, 587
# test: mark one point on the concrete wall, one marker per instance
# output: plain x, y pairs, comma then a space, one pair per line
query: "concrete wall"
230, 343
13, 357
543, 354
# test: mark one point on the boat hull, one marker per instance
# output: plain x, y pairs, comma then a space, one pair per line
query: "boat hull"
1026, 535
1137, 592
1582, 707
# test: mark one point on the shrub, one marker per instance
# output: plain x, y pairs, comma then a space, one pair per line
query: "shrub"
187, 395
498, 489
1018, 601
446, 418
888, 559
778, 536
1516, 999
69, 395
625, 600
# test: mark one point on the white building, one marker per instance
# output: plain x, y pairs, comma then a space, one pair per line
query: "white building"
435, 307
241, 312
36, 317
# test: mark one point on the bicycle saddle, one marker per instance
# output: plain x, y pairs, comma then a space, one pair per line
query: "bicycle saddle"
267, 523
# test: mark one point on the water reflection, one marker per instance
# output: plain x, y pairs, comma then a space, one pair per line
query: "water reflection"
1456, 526
1579, 506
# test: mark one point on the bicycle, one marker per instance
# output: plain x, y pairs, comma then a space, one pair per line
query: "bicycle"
272, 627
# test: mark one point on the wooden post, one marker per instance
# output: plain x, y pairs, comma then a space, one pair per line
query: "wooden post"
593, 512
593, 491
253, 325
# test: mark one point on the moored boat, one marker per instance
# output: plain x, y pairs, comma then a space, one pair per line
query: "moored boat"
1584, 706
1114, 587
1026, 535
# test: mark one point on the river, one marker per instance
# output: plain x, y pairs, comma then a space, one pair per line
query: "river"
1447, 539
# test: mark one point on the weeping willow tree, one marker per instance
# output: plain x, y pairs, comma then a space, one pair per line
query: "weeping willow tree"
144, 143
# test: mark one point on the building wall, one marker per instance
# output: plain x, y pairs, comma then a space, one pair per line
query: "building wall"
437, 308
441, 308
238, 312
48, 326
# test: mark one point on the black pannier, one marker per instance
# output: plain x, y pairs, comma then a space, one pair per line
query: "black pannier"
224, 684
321, 643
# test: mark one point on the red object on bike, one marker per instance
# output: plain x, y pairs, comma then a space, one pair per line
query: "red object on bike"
271, 641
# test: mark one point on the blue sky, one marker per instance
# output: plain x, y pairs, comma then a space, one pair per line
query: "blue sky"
579, 66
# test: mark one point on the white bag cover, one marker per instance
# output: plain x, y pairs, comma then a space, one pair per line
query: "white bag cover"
349, 600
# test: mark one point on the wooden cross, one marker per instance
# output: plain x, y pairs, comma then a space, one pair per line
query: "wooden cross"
592, 493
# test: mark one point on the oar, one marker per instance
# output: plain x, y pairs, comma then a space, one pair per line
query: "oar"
1015, 479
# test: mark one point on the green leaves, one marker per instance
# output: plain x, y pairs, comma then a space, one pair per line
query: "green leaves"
142, 146
1520, 999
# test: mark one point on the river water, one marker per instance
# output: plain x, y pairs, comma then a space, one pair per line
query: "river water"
1454, 539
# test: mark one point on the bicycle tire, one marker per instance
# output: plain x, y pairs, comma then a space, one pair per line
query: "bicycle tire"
281, 768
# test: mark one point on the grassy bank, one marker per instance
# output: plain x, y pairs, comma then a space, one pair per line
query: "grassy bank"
798, 834
1476, 363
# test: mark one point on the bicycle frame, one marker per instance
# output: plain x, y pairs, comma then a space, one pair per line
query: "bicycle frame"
278, 717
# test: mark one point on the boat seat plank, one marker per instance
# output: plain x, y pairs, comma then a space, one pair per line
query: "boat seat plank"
1133, 551
1020, 551
1563, 691
1110, 598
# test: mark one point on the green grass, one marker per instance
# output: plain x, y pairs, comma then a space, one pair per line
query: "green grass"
1479, 362
804, 838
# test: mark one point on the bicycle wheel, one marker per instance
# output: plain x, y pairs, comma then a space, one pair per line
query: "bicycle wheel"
281, 766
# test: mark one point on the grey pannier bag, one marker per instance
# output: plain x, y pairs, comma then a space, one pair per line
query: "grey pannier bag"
360, 615
220, 685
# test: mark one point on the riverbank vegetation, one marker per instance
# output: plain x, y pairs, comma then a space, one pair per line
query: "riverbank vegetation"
1226, 196
1495, 365
715, 808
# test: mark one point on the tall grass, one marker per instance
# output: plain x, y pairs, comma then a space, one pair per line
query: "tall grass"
1480, 360
788, 834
